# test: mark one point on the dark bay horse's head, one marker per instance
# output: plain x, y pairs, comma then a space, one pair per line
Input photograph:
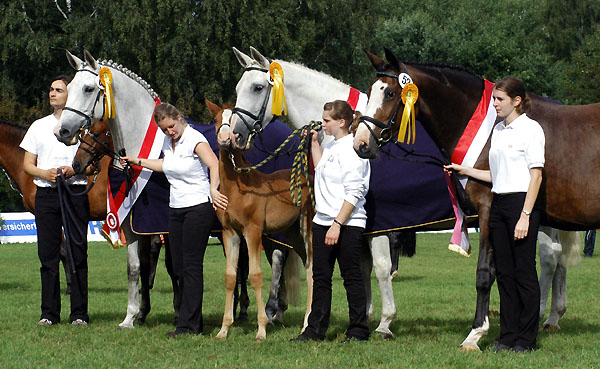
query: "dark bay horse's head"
222, 116
84, 94
385, 107
95, 142
252, 110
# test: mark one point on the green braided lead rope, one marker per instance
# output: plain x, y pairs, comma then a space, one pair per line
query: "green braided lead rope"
300, 167
266, 160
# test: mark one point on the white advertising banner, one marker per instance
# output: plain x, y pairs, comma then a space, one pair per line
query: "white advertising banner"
20, 227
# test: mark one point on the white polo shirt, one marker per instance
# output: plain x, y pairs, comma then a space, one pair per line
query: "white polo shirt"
514, 150
187, 174
51, 153
341, 175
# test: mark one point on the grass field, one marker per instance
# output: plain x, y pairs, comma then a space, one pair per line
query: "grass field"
435, 297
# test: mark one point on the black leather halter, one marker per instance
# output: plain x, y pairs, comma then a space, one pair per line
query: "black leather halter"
88, 117
256, 126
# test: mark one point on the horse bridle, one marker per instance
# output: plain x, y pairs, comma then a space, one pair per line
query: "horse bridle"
89, 118
386, 128
256, 126
96, 154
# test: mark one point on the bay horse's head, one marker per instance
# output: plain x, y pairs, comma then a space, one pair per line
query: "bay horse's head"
222, 116
253, 105
95, 142
81, 108
385, 106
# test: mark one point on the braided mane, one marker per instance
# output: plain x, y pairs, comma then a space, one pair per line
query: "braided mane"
131, 75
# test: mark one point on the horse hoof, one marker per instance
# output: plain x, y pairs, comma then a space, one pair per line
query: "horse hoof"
243, 315
394, 274
386, 335
469, 348
124, 326
221, 335
550, 328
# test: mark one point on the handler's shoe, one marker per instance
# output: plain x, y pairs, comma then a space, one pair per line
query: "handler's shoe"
79, 323
44, 322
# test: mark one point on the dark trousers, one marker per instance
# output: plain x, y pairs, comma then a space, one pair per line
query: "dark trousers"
48, 219
189, 229
516, 272
347, 252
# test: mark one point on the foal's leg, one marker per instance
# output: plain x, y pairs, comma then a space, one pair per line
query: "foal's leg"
380, 249
231, 242
256, 279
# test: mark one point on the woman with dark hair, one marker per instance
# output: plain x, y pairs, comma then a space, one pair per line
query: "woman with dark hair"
186, 164
341, 183
516, 161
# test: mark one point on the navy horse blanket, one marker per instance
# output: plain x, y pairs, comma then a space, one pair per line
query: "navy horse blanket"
403, 194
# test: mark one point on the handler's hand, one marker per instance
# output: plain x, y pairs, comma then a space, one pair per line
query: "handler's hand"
50, 175
220, 201
332, 235
459, 169
522, 227
67, 171
124, 160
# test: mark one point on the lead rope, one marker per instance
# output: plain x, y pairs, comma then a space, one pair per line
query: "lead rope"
300, 166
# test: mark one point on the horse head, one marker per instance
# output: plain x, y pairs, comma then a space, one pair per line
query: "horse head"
95, 142
84, 93
222, 118
253, 105
384, 107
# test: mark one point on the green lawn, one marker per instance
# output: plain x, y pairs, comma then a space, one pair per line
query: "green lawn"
435, 296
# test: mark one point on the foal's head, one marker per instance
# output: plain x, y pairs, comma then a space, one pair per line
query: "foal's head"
222, 116
94, 144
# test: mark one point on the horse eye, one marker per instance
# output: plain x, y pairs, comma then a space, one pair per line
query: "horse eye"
258, 88
88, 89
390, 94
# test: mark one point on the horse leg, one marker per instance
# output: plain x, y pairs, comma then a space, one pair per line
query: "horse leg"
395, 246
241, 290
273, 308
231, 243
558, 306
66, 262
133, 276
549, 254
486, 275
146, 266
174, 280
380, 250
256, 280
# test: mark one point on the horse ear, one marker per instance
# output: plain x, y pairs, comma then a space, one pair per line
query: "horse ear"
393, 60
259, 58
213, 108
376, 61
242, 58
73, 60
89, 59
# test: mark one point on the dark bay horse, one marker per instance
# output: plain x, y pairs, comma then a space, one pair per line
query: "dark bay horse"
448, 96
258, 203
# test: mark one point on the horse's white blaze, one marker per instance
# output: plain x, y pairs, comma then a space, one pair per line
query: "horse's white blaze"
375, 103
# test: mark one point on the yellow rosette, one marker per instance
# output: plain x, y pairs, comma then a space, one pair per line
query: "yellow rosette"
278, 104
410, 94
106, 79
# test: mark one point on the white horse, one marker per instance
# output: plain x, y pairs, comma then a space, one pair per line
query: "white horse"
135, 104
558, 250
306, 91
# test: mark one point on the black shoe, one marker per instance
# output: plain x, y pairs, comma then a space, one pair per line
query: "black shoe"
304, 338
354, 338
518, 348
499, 347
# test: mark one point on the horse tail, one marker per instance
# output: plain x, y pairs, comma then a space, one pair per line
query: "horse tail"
571, 248
291, 273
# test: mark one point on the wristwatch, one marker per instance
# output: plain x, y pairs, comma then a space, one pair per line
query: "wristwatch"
528, 213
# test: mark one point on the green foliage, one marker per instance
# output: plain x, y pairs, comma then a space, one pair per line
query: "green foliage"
183, 48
